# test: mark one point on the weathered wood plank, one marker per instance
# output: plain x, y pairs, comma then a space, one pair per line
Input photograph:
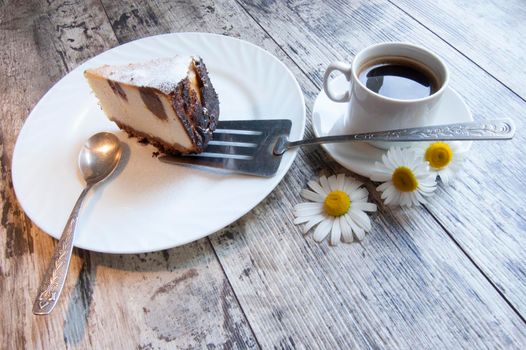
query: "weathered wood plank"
492, 34
175, 298
29, 66
407, 286
484, 211
392, 291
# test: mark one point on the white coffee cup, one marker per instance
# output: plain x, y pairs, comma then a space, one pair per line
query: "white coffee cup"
369, 111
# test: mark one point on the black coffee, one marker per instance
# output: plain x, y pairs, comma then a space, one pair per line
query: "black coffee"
399, 78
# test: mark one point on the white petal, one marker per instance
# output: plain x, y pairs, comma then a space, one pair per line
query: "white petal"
359, 194
411, 156
358, 231
364, 206
458, 157
405, 199
317, 188
422, 169
313, 221
389, 192
351, 185
397, 157
427, 184
359, 199
455, 146
413, 198
361, 219
419, 148
422, 201
445, 176
426, 194
302, 219
429, 179
418, 199
382, 168
346, 230
360, 234
340, 182
406, 157
325, 184
435, 174
455, 167
312, 196
388, 162
394, 199
307, 211
332, 183
381, 177
322, 230
308, 205
335, 232
384, 186
427, 191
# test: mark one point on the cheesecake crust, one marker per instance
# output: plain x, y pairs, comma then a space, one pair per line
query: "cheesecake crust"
162, 146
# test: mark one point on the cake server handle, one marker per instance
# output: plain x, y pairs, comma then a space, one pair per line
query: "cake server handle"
500, 129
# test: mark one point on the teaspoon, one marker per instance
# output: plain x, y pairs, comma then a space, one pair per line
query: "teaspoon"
98, 158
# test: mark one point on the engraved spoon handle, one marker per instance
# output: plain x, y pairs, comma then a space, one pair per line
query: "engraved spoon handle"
57, 270
501, 129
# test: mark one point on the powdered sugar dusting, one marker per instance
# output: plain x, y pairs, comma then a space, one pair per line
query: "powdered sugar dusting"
161, 73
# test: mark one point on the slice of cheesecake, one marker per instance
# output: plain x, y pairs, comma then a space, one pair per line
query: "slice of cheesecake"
170, 102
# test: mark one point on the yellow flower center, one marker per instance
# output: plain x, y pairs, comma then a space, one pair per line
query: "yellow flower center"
404, 180
337, 203
439, 155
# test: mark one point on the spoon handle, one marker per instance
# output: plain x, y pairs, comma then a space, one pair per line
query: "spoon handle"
57, 270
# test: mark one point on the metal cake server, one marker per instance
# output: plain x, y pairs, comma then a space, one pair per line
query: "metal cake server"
255, 147
98, 158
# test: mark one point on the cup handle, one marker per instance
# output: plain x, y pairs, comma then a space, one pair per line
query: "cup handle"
346, 69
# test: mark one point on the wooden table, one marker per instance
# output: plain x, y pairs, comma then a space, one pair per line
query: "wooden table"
451, 274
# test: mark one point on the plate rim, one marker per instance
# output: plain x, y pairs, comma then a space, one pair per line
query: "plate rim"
188, 239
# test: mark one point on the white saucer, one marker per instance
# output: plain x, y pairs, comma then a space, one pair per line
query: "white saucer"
359, 157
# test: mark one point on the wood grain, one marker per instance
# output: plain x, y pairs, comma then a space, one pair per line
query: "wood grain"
483, 212
407, 286
491, 34
174, 298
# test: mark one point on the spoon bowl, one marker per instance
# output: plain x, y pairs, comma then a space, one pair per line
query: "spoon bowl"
98, 159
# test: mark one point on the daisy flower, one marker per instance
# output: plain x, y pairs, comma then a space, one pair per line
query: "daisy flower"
406, 179
338, 205
444, 158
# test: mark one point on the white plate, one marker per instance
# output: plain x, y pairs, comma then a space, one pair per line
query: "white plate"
359, 157
150, 205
